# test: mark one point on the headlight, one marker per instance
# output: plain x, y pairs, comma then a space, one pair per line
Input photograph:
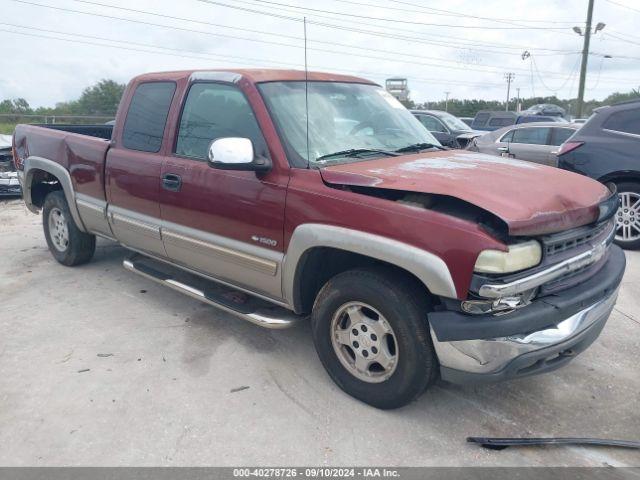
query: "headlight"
518, 257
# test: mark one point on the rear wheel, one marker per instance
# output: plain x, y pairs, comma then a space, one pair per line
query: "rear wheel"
67, 243
371, 333
628, 215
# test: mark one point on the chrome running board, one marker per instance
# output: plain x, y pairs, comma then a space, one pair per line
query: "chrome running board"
245, 306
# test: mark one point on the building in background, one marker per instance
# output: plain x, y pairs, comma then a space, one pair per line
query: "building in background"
398, 87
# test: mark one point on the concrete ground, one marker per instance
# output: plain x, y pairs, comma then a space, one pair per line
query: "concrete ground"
101, 367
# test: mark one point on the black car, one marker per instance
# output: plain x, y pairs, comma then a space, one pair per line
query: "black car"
489, 120
448, 129
607, 148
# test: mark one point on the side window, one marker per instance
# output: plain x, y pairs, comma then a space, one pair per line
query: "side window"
561, 135
500, 121
432, 124
212, 111
627, 121
507, 137
147, 116
532, 136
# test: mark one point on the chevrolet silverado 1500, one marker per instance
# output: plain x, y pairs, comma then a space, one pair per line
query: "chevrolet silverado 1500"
279, 197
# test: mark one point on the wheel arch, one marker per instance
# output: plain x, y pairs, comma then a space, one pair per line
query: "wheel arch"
621, 176
42, 176
316, 252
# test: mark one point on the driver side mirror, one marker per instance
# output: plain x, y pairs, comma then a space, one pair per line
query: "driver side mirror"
235, 153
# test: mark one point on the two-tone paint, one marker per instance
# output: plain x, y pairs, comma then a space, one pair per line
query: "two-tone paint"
251, 230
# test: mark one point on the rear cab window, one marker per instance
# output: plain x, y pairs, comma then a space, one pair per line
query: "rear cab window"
147, 116
212, 111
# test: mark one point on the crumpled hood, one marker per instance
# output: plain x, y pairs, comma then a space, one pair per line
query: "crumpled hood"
531, 199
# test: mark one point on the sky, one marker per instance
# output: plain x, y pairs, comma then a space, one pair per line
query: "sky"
464, 47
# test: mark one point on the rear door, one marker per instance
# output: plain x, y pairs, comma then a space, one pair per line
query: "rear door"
531, 144
133, 167
223, 223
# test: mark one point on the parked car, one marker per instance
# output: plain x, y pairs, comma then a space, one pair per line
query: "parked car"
607, 148
525, 118
493, 120
448, 129
538, 142
9, 185
412, 262
488, 120
467, 120
545, 109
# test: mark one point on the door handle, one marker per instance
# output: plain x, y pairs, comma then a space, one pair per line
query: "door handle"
172, 182
503, 149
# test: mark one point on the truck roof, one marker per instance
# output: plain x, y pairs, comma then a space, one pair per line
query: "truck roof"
255, 75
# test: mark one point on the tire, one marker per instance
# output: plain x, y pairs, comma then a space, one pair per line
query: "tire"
68, 245
629, 192
376, 298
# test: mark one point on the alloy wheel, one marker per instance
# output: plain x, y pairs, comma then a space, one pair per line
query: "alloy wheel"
364, 342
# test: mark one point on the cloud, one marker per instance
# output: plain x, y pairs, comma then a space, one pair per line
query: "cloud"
435, 59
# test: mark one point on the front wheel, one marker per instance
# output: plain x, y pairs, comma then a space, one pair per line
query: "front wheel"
628, 216
67, 243
371, 333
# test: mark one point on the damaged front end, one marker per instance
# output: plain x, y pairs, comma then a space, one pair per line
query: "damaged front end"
9, 184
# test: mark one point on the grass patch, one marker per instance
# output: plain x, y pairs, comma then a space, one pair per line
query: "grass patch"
7, 128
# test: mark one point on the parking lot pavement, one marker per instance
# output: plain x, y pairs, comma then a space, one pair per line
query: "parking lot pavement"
101, 367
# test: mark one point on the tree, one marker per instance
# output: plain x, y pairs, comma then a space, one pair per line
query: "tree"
17, 105
100, 99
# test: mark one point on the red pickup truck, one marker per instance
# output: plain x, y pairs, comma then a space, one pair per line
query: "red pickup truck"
279, 197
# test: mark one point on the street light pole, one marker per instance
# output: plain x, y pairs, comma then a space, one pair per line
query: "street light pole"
446, 101
585, 58
509, 76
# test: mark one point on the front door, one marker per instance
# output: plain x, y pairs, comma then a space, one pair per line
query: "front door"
437, 129
226, 224
133, 167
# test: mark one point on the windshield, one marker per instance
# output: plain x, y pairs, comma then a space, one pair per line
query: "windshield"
343, 117
454, 123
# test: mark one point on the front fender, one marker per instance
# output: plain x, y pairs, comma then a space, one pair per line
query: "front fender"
430, 269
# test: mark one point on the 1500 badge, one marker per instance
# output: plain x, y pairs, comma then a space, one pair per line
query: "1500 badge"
264, 240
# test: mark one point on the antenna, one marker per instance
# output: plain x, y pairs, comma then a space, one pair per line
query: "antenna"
306, 88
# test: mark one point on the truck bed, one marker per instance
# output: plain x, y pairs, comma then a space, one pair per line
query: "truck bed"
80, 149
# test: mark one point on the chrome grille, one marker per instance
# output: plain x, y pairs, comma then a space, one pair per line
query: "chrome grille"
572, 240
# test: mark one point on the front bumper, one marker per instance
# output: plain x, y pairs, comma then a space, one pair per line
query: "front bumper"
538, 338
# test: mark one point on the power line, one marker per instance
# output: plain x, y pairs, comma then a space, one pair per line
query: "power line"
450, 67
440, 42
206, 55
280, 35
403, 36
297, 19
393, 20
458, 14
623, 6
266, 41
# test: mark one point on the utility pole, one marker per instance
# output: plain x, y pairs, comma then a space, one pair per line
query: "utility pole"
509, 76
518, 102
585, 58
446, 102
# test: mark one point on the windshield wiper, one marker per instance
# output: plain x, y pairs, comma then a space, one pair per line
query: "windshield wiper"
416, 147
354, 152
